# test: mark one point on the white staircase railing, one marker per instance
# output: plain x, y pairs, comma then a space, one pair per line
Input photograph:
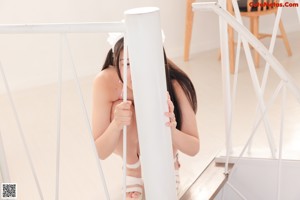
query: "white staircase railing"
142, 27
62, 29
233, 188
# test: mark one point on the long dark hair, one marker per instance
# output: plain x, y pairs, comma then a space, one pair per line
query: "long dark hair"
173, 72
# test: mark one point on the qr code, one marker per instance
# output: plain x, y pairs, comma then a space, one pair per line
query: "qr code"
9, 191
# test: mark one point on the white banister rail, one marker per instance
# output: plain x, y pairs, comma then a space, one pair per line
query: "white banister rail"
286, 82
266, 71
63, 29
247, 39
142, 27
55, 28
92, 27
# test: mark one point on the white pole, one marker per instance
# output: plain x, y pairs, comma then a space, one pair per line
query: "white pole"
3, 163
125, 127
150, 99
283, 106
237, 61
58, 130
226, 83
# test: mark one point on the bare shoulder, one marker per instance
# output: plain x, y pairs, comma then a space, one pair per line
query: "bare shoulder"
105, 75
106, 83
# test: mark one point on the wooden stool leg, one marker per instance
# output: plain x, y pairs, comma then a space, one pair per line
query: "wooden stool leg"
231, 40
231, 49
188, 29
285, 39
255, 24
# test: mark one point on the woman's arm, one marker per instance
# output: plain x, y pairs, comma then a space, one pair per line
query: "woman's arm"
186, 140
107, 132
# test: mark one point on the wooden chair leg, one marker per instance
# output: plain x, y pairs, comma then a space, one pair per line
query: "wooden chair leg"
231, 49
188, 29
255, 31
231, 40
285, 39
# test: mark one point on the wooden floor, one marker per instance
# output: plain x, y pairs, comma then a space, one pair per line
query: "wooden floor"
208, 184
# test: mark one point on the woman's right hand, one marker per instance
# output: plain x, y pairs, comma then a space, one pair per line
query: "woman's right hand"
122, 114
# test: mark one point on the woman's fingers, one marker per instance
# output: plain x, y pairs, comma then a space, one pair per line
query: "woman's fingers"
123, 114
171, 124
172, 119
171, 105
171, 115
123, 106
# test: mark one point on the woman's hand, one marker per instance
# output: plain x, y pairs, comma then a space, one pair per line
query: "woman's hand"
172, 118
122, 115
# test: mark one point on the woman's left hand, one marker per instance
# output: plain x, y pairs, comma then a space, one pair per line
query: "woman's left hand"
172, 118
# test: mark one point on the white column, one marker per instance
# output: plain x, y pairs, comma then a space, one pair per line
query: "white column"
150, 99
226, 83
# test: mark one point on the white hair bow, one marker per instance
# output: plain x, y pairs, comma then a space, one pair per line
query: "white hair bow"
114, 37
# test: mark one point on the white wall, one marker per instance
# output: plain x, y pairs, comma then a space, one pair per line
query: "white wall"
31, 60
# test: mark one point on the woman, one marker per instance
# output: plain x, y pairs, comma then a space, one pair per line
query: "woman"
110, 114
